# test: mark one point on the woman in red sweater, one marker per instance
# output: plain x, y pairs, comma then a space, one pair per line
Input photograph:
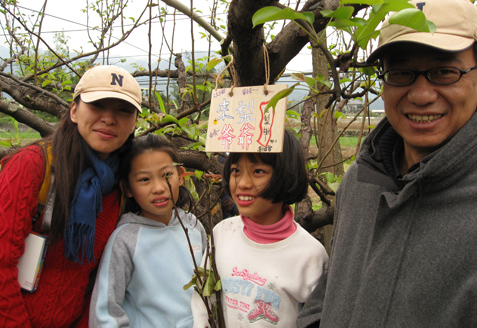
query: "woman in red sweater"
83, 203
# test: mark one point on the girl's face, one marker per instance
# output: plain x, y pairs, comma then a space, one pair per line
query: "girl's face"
105, 124
148, 185
247, 181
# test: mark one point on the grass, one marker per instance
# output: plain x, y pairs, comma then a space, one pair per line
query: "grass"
19, 137
349, 141
27, 135
344, 141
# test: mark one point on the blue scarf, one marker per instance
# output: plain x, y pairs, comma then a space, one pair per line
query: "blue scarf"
93, 183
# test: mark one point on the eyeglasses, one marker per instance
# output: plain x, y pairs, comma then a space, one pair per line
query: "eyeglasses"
437, 75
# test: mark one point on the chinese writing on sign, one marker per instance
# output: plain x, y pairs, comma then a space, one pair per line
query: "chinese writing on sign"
239, 122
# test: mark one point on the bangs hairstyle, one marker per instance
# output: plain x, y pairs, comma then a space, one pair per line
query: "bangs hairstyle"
151, 142
289, 181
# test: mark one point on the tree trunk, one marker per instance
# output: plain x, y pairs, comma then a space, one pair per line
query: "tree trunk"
248, 42
182, 82
327, 130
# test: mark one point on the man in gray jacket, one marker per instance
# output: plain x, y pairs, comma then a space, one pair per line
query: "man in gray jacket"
404, 248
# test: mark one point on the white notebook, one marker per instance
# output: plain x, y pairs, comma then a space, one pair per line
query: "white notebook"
30, 264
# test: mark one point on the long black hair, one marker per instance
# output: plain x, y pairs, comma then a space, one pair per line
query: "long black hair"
70, 157
289, 181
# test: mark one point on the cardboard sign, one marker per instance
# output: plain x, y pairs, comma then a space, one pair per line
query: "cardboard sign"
238, 122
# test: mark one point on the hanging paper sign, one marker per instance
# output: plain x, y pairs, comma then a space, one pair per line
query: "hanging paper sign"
238, 122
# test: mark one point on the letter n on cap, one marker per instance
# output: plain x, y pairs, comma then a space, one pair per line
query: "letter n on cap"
115, 79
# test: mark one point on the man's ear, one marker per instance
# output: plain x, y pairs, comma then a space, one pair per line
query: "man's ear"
74, 112
125, 189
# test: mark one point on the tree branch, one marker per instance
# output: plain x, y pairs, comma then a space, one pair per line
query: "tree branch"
24, 116
199, 20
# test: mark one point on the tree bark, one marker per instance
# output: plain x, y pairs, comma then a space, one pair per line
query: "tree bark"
32, 96
248, 42
199, 161
24, 116
182, 82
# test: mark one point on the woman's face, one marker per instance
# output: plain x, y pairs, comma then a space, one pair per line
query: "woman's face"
105, 124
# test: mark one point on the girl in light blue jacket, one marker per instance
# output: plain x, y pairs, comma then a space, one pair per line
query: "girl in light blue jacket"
148, 260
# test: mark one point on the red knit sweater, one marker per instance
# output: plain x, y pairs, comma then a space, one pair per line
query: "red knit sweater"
61, 299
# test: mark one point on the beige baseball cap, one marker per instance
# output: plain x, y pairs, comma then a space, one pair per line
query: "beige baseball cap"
456, 22
109, 81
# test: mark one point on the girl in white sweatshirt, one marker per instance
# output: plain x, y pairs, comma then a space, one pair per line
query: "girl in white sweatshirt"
268, 264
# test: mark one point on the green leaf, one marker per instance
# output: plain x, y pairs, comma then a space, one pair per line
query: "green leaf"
209, 285
45, 83
360, 21
334, 186
218, 286
268, 14
161, 103
293, 113
365, 33
170, 118
195, 145
345, 80
310, 81
361, 2
370, 70
413, 18
183, 121
281, 94
198, 174
168, 129
190, 130
6, 143
15, 124
330, 177
191, 283
341, 12
214, 62
344, 23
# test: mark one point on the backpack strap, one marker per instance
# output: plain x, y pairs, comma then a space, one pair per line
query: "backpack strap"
45, 187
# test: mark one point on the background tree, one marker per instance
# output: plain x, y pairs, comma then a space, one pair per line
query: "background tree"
38, 77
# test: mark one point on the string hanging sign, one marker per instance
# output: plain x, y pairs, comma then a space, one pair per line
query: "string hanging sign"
239, 120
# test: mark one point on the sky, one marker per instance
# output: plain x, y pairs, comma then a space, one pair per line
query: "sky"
74, 24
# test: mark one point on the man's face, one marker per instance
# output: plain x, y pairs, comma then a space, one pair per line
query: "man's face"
426, 115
